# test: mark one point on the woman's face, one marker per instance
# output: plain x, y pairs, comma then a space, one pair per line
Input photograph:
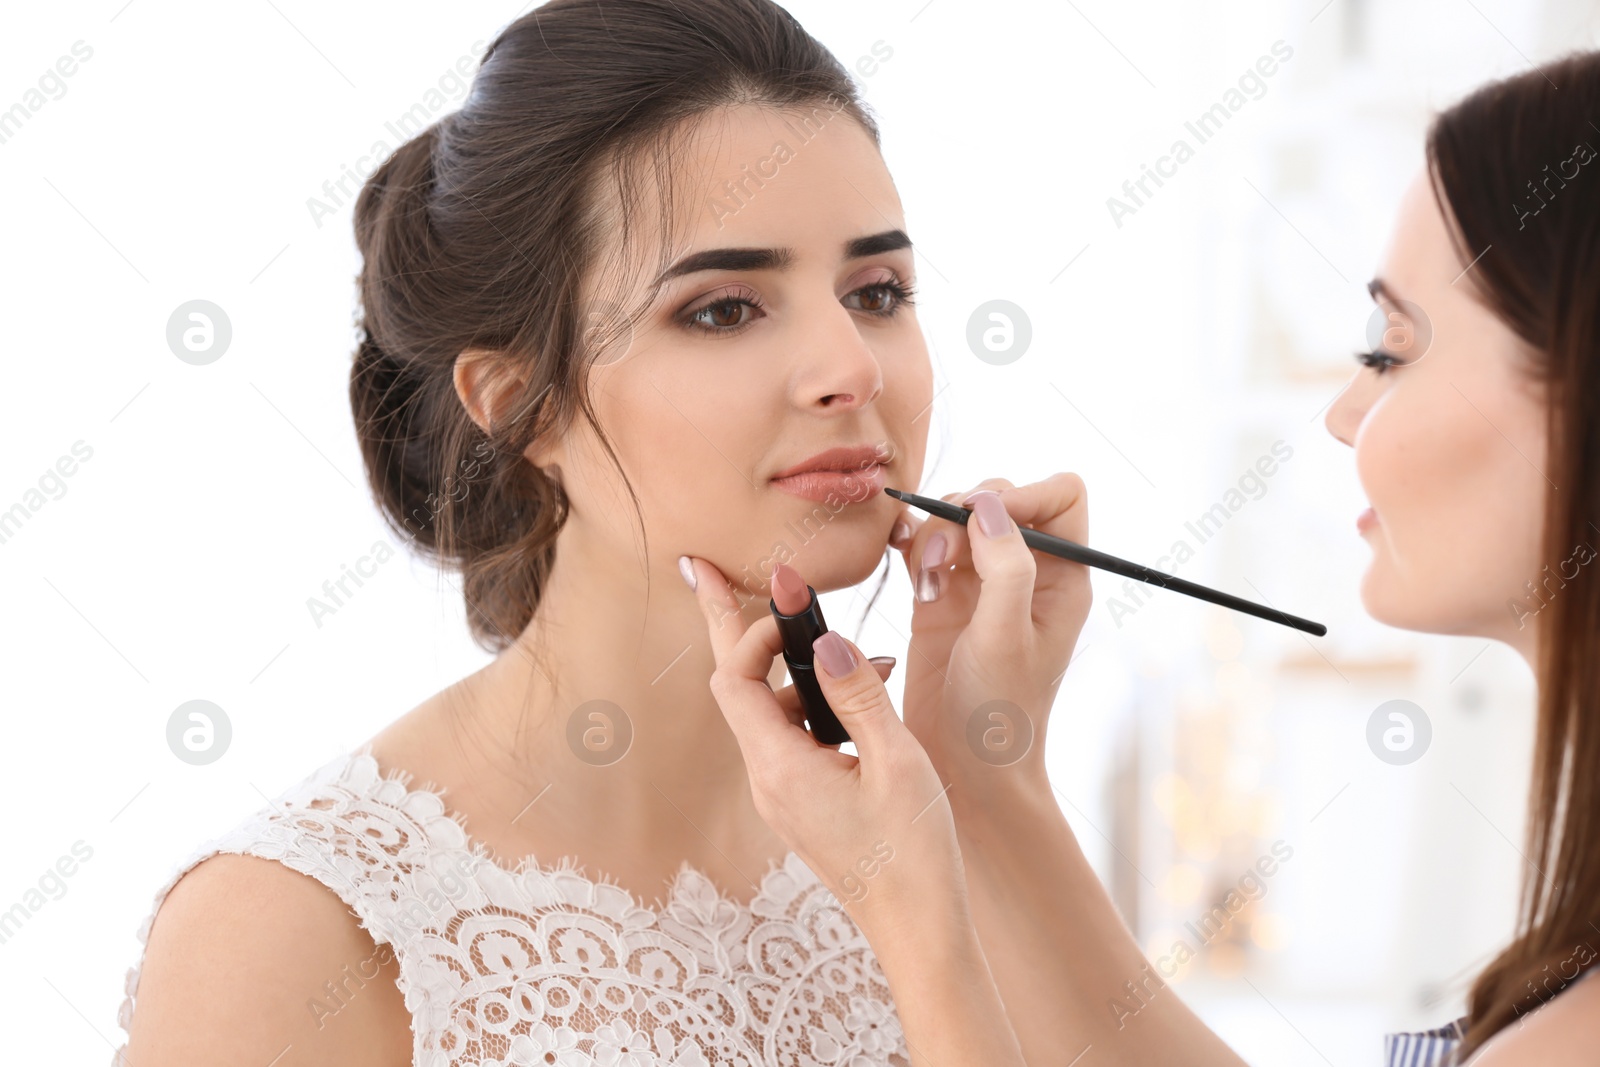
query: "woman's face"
1449, 446
779, 335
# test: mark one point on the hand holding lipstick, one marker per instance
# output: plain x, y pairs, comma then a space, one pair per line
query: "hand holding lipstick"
840, 813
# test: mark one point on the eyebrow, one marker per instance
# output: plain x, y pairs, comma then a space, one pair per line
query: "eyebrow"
776, 258
1380, 292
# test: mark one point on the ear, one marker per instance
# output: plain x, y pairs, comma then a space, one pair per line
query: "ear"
484, 386
487, 387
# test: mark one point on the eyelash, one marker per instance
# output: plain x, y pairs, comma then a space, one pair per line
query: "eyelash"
1378, 360
904, 296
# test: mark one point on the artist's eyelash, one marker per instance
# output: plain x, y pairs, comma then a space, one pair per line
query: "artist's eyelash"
904, 294
1378, 360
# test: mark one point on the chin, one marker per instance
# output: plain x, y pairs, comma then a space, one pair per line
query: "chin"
1421, 611
1384, 600
838, 561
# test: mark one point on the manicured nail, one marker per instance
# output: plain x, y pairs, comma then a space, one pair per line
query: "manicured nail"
927, 586
901, 531
992, 515
885, 661
834, 655
933, 551
686, 569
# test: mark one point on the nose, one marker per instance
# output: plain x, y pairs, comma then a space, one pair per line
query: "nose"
839, 370
1346, 412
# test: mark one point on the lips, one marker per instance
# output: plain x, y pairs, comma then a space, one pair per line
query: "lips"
845, 458
851, 487
852, 474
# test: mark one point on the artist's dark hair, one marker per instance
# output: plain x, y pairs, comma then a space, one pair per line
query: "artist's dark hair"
485, 230
1515, 163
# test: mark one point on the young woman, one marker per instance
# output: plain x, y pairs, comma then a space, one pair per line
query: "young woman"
653, 264
1477, 440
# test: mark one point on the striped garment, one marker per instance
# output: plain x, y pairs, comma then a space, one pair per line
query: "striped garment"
1432, 1048
1427, 1048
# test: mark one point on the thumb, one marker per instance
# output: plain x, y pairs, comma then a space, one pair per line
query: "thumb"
853, 686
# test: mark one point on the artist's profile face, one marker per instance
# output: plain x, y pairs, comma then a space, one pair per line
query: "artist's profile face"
746, 367
1449, 447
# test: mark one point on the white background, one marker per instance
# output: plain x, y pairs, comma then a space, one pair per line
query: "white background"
1168, 354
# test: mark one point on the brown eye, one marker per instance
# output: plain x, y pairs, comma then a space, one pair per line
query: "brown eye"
876, 302
725, 315
883, 298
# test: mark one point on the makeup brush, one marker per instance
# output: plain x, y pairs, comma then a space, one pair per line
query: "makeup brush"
1060, 546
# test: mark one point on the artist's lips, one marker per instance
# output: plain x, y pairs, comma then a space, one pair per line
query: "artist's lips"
852, 474
1366, 520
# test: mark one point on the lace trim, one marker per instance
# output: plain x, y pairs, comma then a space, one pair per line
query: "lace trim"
567, 869
545, 964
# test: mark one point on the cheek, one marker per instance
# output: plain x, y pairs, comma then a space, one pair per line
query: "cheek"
687, 435
908, 397
1424, 455
1454, 498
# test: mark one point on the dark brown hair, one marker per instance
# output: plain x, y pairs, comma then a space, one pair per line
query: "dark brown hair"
484, 232
1515, 163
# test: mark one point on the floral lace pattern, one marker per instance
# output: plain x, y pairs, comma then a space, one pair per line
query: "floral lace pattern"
543, 965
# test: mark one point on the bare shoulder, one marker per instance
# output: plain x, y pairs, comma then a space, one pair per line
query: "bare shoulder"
250, 962
1562, 1032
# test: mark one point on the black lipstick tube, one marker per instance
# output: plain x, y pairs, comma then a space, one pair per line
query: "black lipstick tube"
798, 631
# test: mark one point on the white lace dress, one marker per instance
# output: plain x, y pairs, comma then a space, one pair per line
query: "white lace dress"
542, 965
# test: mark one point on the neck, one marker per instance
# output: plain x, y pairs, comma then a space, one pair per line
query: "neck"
604, 697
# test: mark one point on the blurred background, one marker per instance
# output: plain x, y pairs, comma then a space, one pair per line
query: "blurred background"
1182, 351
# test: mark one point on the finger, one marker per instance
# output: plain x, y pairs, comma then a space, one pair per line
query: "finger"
718, 604
903, 536
1045, 505
754, 711
789, 697
760, 722
855, 691
940, 547
903, 530
1057, 505
1006, 568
